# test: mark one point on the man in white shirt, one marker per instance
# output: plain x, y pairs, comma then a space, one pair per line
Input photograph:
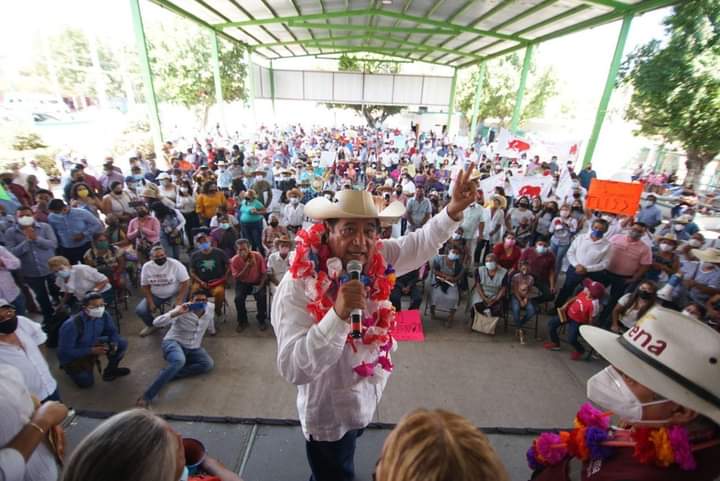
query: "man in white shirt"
293, 212
588, 256
473, 225
278, 262
182, 345
20, 341
163, 280
337, 396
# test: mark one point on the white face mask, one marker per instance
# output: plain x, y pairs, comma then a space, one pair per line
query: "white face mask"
259, 177
688, 313
666, 247
491, 265
26, 221
96, 311
694, 243
540, 249
679, 227
453, 256
456, 236
294, 200
608, 390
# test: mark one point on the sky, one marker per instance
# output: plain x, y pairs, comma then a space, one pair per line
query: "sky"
580, 60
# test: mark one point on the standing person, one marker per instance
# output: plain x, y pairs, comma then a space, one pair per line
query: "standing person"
293, 213
250, 215
250, 273
494, 222
262, 188
34, 243
586, 176
419, 210
473, 226
520, 221
650, 214
74, 229
182, 345
210, 270
172, 223
562, 229
40, 209
120, 202
313, 352
20, 341
185, 202
164, 281
207, 203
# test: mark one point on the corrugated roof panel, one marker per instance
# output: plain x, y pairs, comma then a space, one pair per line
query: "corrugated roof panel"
566, 22
199, 11
511, 10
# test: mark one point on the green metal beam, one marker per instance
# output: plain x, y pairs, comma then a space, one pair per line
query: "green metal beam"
274, 14
299, 18
428, 13
451, 104
405, 8
387, 51
215, 51
517, 110
609, 3
272, 86
248, 15
608, 90
146, 70
637, 8
376, 28
476, 101
359, 59
482, 17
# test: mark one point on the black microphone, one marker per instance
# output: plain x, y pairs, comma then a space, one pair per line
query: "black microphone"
354, 268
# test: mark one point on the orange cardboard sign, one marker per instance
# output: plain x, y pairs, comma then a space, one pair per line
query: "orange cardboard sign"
614, 197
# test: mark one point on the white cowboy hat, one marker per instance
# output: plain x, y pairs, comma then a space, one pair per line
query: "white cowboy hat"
352, 204
671, 354
707, 255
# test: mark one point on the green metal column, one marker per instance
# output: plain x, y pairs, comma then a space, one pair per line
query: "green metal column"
215, 48
150, 98
517, 111
451, 105
609, 87
251, 82
272, 86
476, 102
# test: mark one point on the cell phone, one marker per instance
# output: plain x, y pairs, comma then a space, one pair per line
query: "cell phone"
196, 305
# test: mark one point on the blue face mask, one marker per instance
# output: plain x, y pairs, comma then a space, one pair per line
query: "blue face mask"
138, 177
203, 246
64, 274
598, 234
198, 306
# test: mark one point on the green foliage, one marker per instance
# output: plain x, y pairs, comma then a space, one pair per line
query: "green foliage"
28, 141
46, 162
676, 84
374, 115
135, 137
499, 88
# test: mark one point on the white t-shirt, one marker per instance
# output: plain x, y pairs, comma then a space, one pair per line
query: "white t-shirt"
164, 280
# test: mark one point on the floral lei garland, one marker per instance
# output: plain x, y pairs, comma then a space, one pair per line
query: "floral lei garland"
313, 265
592, 439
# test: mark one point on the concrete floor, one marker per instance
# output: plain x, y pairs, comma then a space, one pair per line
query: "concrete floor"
494, 381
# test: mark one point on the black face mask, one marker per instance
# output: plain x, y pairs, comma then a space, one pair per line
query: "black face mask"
9, 326
645, 295
523, 205
160, 261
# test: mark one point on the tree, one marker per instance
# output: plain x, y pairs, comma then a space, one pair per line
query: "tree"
676, 84
180, 58
499, 88
375, 115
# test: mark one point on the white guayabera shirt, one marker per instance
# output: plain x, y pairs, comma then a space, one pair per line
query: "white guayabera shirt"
332, 398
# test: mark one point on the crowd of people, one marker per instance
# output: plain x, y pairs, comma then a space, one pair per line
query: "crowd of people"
181, 231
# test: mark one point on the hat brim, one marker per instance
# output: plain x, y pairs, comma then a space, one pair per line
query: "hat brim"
607, 345
705, 256
322, 208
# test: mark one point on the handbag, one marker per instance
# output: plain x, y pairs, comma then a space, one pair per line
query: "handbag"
484, 324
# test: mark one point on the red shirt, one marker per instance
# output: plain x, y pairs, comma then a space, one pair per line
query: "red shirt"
507, 261
581, 308
542, 266
254, 274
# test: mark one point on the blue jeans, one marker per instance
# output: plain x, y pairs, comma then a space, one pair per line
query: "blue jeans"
85, 379
559, 252
19, 303
182, 362
253, 232
515, 307
173, 250
143, 312
333, 460
572, 330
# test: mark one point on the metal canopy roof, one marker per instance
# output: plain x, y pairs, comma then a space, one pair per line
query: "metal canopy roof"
454, 33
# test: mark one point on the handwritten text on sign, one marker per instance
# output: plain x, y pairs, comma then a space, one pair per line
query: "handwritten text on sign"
408, 326
614, 197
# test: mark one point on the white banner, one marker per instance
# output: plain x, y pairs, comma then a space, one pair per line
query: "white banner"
531, 186
488, 185
564, 188
509, 145
327, 157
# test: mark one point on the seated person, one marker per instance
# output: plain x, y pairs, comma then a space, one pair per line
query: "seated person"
696, 311
210, 269
224, 235
182, 345
541, 264
580, 309
163, 280
447, 271
490, 287
107, 259
632, 306
278, 262
250, 272
85, 337
521, 285
507, 253
407, 285
75, 282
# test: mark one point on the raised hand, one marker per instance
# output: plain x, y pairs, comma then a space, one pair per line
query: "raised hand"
463, 193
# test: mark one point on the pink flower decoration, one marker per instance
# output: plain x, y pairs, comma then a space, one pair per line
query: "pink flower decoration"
385, 363
589, 416
681, 448
364, 369
550, 448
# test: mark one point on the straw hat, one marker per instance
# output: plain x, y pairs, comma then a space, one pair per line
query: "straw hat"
707, 255
352, 204
683, 219
671, 354
294, 193
386, 188
668, 237
150, 192
282, 239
